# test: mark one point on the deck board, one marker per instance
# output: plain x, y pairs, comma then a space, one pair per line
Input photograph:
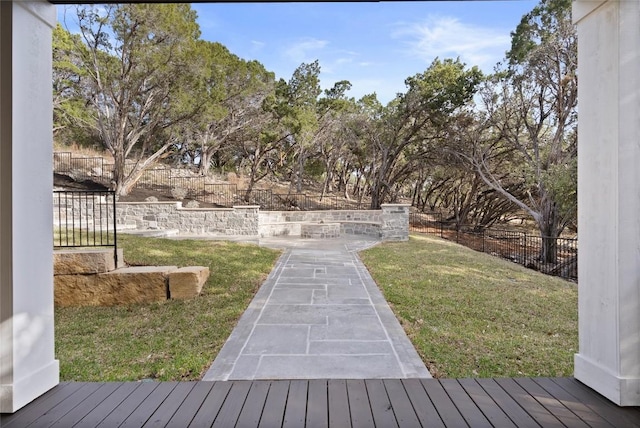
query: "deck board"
338, 400
232, 406
149, 405
569, 401
529, 404
317, 408
40, 405
128, 406
359, 407
106, 407
211, 406
170, 405
503, 402
507, 404
273, 414
186, 412
553, 405
296, 410
381, 409
251, 412
426, 413
402, 407
447, 409
66, 405
465, 404
619, 417
85, 407
495, 415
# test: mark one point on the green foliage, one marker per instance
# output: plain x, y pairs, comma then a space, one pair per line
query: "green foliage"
445, 86
561, 180
314, 168
537, 27
70, 112
140, 80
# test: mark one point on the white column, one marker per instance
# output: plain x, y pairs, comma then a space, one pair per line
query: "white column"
609, 197
27, 364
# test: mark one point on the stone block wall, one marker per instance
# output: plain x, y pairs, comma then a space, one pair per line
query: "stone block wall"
352, 222
370, 216
391, 223
236, 221
395, 222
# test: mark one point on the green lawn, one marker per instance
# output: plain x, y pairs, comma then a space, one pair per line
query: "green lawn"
176, 340
467, 313
473, 315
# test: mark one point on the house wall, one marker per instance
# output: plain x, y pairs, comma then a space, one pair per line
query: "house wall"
27, 364
609, 198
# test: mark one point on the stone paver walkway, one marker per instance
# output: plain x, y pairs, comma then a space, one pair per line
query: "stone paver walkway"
319, 314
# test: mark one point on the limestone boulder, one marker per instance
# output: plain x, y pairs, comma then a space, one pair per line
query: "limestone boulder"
145, 284
76, 290
85, 261
187, 282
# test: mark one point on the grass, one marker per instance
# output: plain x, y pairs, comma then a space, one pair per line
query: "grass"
176, 340
472, 315
468, 314
75, 237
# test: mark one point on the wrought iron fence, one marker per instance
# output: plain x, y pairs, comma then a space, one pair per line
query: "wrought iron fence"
85, 219
552, 256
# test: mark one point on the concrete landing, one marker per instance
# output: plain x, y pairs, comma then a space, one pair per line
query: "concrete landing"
319, 314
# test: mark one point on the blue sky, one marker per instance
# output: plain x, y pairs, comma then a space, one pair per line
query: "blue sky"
375, 46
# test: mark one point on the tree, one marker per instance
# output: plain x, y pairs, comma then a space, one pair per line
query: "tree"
69, 98
142, 73
303, 92
531, 116
410, 126
236, 90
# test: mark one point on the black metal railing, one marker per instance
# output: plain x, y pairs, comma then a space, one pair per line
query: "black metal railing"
85, 219
549, 255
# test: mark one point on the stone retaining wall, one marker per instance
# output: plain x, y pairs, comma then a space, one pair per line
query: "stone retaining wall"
391, 223
236, 221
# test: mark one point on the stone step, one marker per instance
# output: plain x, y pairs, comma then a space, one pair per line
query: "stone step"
85, 261
187, 282
151, 233
128, 226
134, 284
123, 286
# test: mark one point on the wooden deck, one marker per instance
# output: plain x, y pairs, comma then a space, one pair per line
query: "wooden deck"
502, 402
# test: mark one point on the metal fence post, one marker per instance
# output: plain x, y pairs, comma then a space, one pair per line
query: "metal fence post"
115, 233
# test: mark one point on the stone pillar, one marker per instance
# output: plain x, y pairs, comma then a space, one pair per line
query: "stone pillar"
395, 222
247, 220
609, 198
27, 364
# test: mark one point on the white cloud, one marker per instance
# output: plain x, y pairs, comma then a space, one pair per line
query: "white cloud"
448, 37
305, 50
257, 45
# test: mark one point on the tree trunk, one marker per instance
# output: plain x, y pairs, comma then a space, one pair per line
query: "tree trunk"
205, 161
549, 231
300, 171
